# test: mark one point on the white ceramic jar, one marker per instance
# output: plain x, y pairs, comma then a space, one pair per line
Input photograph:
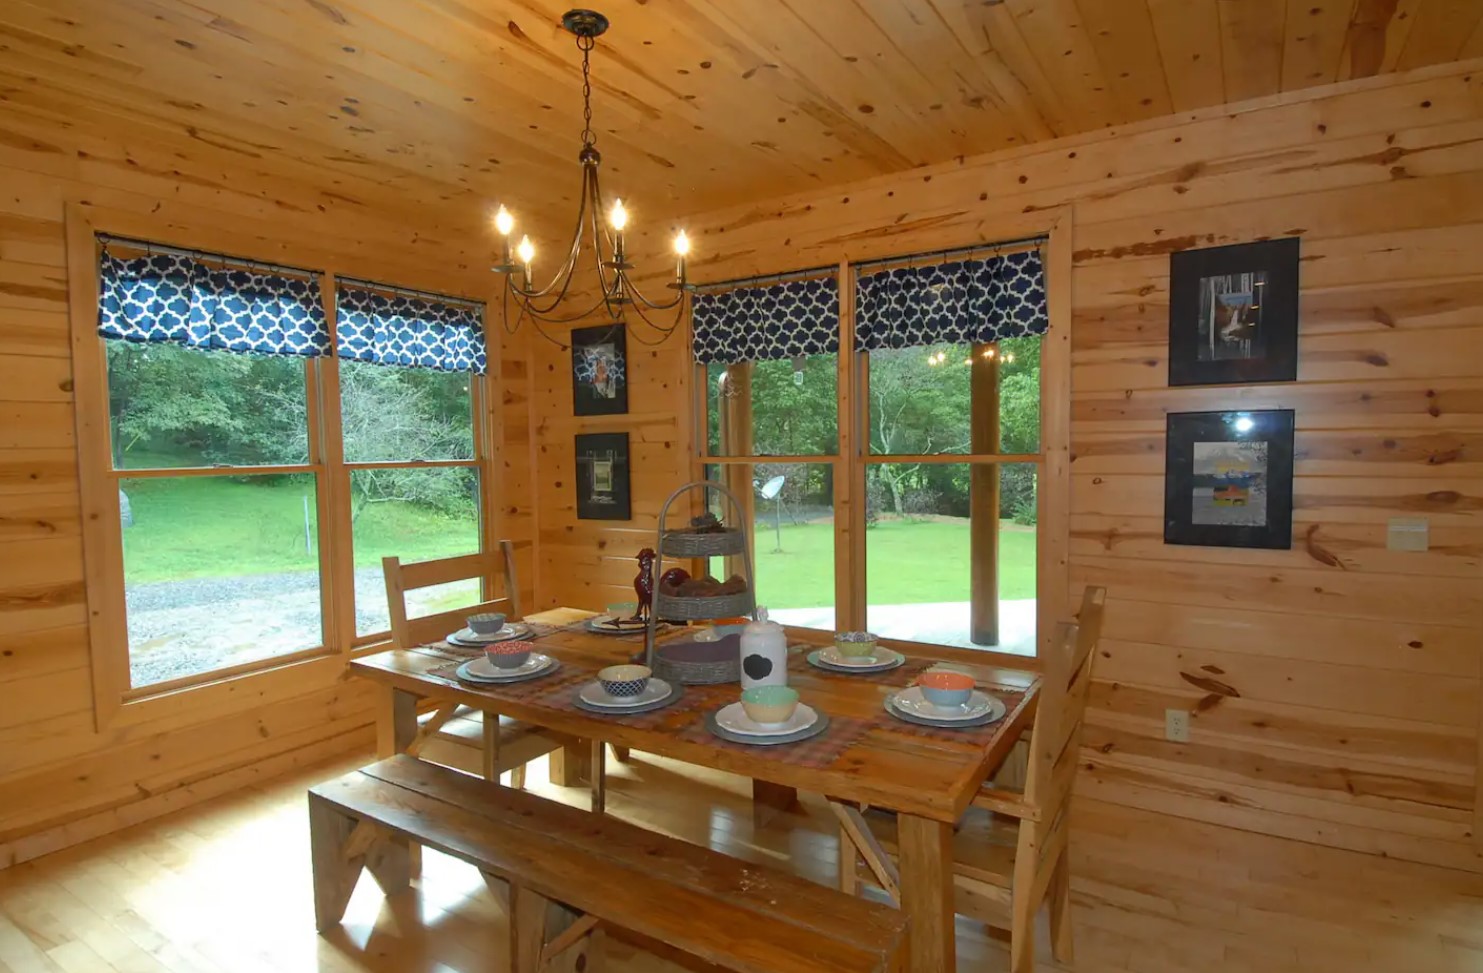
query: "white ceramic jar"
764, 653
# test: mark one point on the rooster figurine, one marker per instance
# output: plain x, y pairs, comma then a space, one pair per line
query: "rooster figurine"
643, 585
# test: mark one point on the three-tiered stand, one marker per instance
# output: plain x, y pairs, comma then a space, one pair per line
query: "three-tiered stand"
686, 544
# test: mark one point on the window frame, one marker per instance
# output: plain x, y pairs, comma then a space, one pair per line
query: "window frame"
115, 701
854, 456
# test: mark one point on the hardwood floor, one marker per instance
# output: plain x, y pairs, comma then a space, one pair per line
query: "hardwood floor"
225, 887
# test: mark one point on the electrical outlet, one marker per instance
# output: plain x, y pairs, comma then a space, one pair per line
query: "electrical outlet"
1176, 725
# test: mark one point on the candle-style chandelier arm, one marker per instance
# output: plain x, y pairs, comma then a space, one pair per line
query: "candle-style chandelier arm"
617, 293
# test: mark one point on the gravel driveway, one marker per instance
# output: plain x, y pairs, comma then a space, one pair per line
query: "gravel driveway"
181, 628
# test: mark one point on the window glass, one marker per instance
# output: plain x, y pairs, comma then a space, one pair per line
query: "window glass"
926, 527
416, 515
922, 399
390, 413
171, 406
218, 571
792, 404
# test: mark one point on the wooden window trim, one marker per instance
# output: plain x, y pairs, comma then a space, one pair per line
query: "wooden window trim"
1053, 461
115, 703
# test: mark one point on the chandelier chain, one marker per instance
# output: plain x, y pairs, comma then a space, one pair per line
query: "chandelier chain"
586, 44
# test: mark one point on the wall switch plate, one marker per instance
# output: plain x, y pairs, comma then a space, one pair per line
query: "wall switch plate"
1408, 534
1176, 725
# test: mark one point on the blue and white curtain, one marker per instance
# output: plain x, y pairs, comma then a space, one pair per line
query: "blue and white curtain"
959, 302
762, 323
402, 329
179, 299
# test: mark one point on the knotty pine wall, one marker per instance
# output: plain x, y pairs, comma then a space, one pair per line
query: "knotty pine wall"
61, 780
1335, 685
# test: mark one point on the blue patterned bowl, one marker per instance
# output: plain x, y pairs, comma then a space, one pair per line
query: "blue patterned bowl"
624, 682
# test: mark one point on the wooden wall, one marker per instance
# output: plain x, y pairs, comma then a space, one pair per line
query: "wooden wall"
1335, 685
61, 779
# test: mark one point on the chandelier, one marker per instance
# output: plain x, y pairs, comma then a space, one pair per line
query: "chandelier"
553, 302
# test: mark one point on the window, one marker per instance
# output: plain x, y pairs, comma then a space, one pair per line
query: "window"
221, 381
931, 433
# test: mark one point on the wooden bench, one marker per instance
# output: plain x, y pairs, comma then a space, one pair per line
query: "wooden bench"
561, 873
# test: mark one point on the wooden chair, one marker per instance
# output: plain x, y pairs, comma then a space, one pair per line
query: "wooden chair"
461, 737
1010, 849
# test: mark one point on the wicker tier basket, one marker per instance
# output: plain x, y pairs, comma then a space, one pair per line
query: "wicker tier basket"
684, 543
678, 608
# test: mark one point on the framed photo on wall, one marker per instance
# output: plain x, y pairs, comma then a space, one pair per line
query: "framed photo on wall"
602, 476
600, 371
1228, 479
1233, 314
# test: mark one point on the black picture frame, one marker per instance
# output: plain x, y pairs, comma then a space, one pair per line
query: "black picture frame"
1233, 314
602, 476
600, 370
1245, 461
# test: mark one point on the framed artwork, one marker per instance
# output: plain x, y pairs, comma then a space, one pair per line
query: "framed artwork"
602, 476
1228, 479
1233, 314
599, 371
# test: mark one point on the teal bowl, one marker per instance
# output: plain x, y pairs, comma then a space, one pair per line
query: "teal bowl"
770, 705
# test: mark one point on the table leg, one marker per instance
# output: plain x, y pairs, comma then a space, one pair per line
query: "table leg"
769, 800
927, 893
396, 728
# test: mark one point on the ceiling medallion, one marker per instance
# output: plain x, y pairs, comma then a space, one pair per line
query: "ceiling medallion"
553, 303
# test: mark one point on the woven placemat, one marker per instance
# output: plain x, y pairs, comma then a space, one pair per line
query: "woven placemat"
570, 674
818, 752
680, 711
974, 734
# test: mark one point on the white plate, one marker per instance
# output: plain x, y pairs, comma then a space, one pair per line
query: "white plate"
605, 623
912, 701
512, 630
482, 668
595, 695
734, 719
883, 658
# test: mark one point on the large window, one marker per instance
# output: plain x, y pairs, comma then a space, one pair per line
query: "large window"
241, 526
910, 500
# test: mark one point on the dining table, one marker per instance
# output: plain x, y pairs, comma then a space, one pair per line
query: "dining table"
925, 775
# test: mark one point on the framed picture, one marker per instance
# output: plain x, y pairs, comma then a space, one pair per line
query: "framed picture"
599, 371
1228, 479
602, 476
1233, 314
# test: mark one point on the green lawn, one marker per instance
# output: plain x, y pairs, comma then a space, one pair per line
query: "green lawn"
907, 563
195, 527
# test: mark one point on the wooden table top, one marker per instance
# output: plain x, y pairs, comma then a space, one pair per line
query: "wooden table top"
885, 764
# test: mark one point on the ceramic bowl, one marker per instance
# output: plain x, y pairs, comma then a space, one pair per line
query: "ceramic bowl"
943, 687
855, 645
770, 705
624, 682
508, 655
487, 623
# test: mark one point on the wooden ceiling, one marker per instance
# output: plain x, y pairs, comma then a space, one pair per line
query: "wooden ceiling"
699, 103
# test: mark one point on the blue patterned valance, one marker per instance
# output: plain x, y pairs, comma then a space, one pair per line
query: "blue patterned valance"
178, 298
960, 302
402, 329
786, 320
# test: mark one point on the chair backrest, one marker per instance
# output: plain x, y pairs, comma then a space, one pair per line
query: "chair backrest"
1056, 737
485, 566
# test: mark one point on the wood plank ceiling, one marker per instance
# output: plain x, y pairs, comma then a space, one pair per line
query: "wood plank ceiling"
699, 103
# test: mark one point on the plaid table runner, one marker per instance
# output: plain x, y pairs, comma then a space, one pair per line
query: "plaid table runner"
570, 674
680, 711
818, 752
977, 735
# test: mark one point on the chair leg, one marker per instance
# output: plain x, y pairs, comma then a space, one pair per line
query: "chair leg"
1059, 895
334, 874
517, 778
1022, 934
849, 877
491, 747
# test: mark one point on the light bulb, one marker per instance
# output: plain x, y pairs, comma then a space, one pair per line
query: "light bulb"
1245, 424
988, 353
526, 250
682, 243
503, 221
618, 218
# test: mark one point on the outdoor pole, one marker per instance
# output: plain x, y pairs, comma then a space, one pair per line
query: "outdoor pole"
777, 523
307, 549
